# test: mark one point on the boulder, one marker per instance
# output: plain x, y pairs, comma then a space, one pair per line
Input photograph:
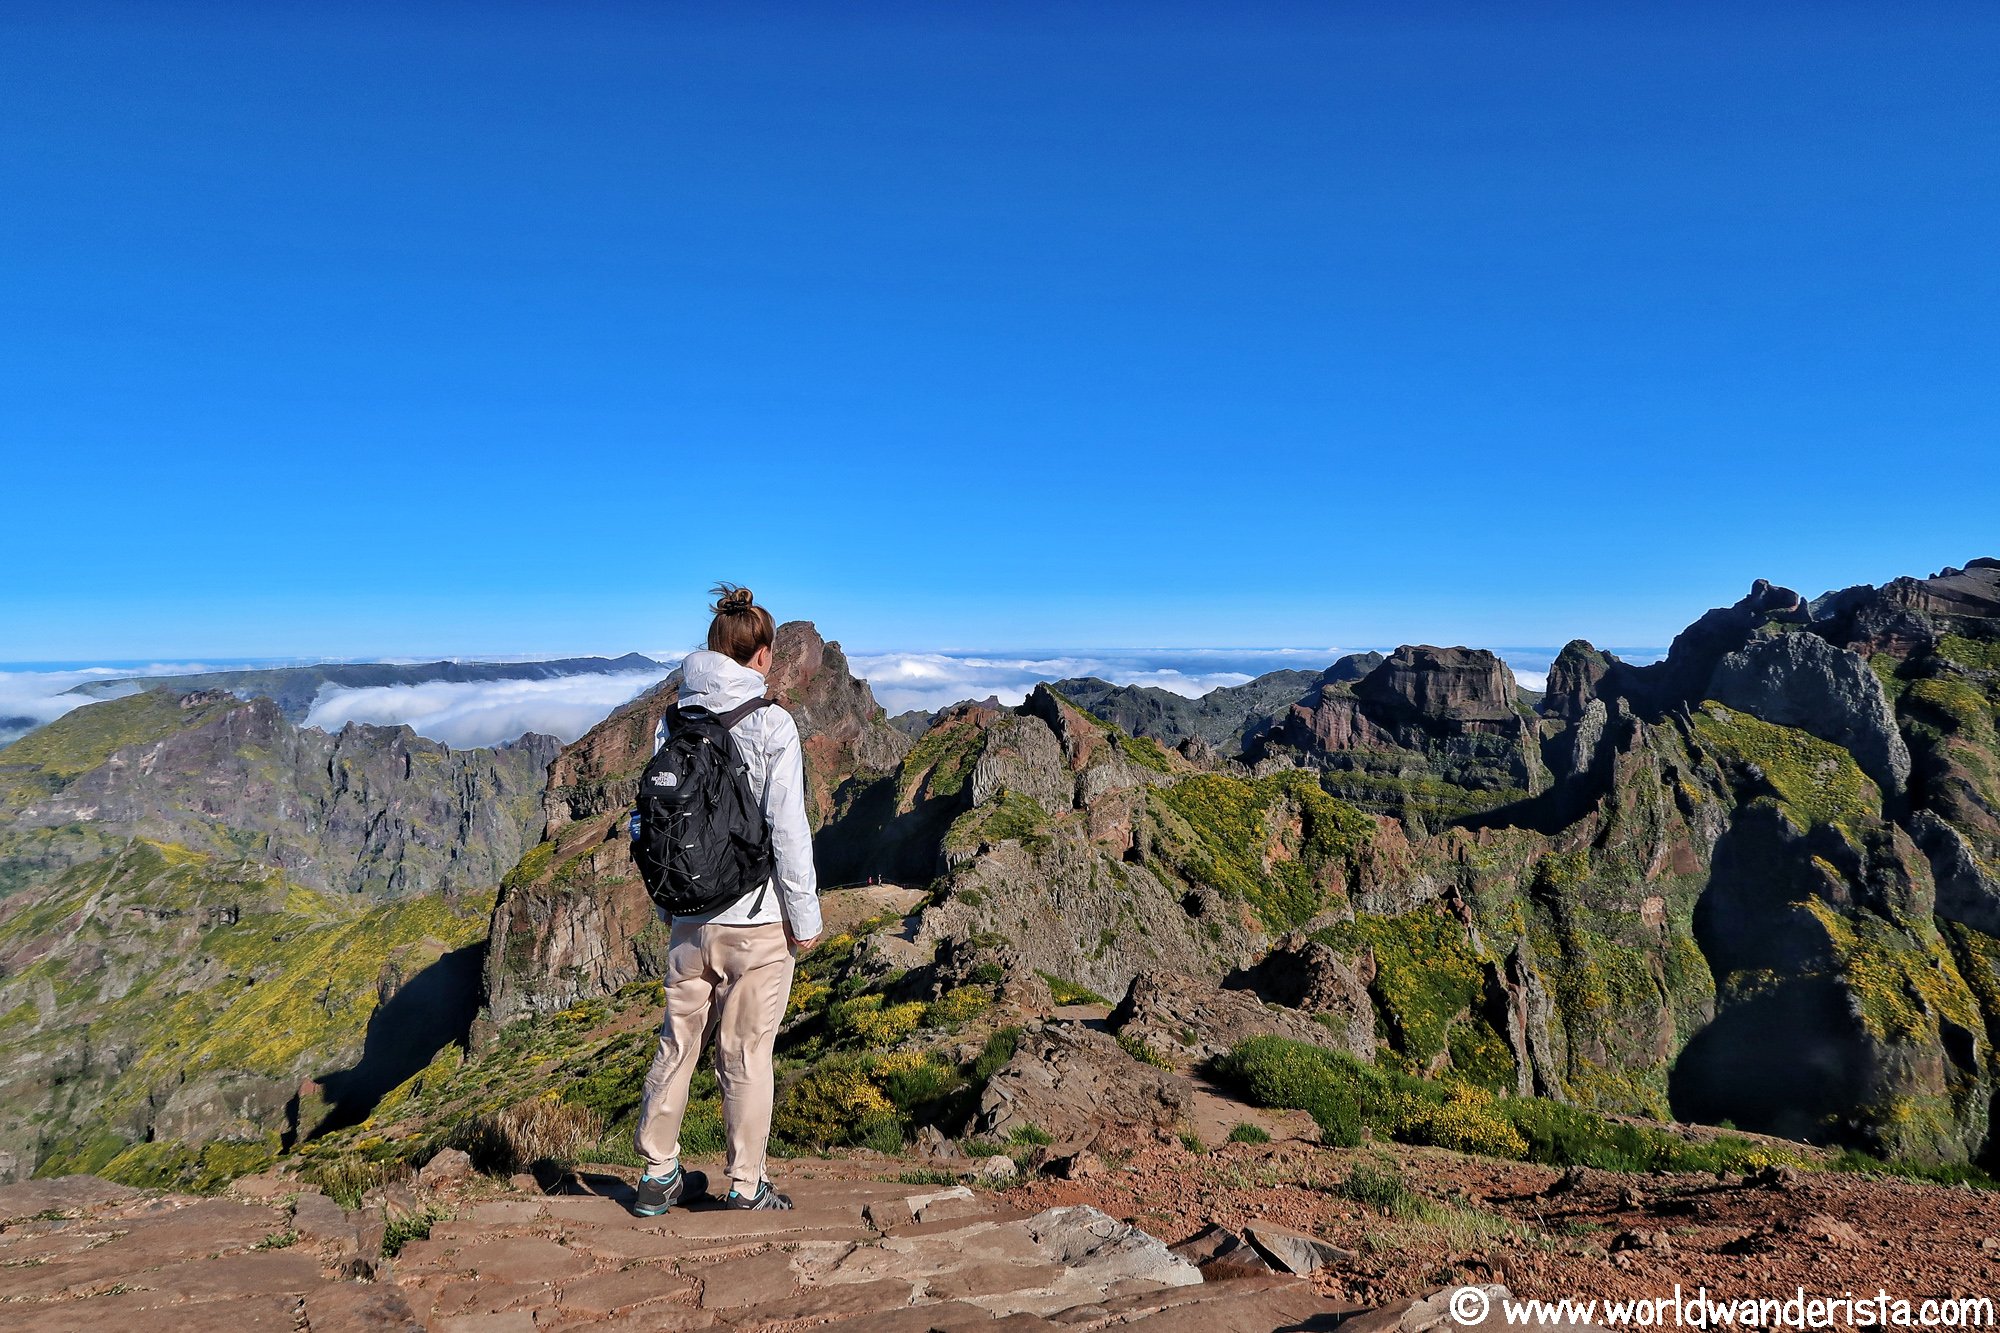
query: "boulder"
445, 1167
1800, 680
996, 1170
1185, 1020
1306, 975
1295, 1251
1077, 1084
1103, 1249
1222, 1254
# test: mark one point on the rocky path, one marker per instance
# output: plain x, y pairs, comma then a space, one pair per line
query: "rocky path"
856, 1254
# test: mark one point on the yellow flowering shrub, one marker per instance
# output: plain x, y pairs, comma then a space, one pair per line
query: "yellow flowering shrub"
829, 1105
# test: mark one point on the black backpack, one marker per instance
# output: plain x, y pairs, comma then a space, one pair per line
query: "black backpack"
701, 840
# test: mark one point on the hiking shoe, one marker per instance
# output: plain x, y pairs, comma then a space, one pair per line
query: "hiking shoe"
656, 1195
765, 1197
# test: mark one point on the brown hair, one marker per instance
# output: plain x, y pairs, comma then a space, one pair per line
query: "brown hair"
740, 626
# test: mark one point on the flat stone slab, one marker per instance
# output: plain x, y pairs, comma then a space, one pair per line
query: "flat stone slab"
514, 1321
255, 1314
528, 1259
270, 1274
860, 1298
64, 1194
627, 1245
615, 1293
1239, 1311
451, 1299
212, 1226
728, 1222
359, 1307
991, 1279
747, 1281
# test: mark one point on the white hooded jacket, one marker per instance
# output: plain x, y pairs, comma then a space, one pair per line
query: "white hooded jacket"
768, 740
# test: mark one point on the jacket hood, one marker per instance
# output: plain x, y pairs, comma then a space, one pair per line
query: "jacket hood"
718, 682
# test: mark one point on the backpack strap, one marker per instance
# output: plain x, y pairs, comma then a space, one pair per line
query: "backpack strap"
741, 711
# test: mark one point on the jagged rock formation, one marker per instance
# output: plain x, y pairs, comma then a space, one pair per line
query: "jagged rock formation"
1230, 719
573, 920
1756, 880
1079, 1086
1429, 735
1184, 1022
1304, 974
369, 810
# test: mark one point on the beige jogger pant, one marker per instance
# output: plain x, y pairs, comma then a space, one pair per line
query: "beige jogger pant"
734, 980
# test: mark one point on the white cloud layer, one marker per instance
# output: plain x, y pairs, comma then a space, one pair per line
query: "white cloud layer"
466, 715
930, 681
31, 699
471, 714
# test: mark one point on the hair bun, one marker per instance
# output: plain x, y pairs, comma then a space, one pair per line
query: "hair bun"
731, 600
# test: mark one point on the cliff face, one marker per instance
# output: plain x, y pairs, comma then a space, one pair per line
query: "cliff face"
162, 997
209, 909
378, 811
573, 919
1428, 735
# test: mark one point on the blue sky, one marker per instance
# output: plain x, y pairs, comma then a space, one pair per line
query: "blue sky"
372, 329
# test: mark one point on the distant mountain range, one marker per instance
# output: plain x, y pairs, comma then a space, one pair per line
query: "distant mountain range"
293, 689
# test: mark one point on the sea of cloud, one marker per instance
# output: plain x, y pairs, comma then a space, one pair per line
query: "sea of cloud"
466, 715
31, 699
929, 681
908, 681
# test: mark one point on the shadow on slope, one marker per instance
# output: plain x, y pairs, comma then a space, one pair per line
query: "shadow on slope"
431, 1010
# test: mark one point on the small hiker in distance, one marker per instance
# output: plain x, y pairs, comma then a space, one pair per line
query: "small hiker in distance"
721, 839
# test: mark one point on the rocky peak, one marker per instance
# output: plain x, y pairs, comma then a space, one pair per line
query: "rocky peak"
1574, 679
1352, 667
1801, 680
1441, 686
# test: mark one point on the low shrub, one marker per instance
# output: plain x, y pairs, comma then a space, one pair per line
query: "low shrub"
1068, 992
541, 1129
913, 1082
1343, 1095
833, 1104
1298, 1076
958, 1005
1141, 1052
406, 1227
1383, 1188
347, 1179
866, 1022
1248, 1133
1937, 1173
999, 1049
